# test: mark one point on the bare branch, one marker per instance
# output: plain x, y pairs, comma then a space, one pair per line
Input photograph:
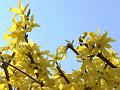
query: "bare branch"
106, 60
69, 45
4, 66
8, 64
61, 73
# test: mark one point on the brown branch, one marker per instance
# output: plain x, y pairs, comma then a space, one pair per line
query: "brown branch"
26, 39
69, 45
4, 66
27, 17
29, 54
8, 64
30, 57
61, 73
106, 60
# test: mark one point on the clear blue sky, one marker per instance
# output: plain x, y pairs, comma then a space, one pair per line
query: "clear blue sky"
65, 20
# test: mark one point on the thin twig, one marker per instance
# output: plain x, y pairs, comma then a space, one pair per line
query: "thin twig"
106, 60
6, 63
69, 45
27, 16
29, 54
4, 66
61, 73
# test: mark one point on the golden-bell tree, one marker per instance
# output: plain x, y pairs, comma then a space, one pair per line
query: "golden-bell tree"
24, 66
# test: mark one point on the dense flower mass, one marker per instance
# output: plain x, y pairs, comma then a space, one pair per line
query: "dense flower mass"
24, 66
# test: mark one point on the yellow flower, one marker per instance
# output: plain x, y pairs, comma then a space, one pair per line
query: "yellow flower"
102, 43
60, 53
19, 10
7, 36
32, 24
61, 86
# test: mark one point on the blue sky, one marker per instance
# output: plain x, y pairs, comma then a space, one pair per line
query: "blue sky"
62, 20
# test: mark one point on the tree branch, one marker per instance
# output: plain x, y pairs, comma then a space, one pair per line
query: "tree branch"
29, 54
6, 63
69, 45
4, 66
61, 73
27, 17
106, 60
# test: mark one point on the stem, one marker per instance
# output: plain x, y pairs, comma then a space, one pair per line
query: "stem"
62, 74
99, 55
29, 54
4, 66
69, 45
30, 57
26, 37
105, 60
22, 72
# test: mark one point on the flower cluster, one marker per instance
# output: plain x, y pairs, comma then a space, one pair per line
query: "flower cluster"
24, 66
